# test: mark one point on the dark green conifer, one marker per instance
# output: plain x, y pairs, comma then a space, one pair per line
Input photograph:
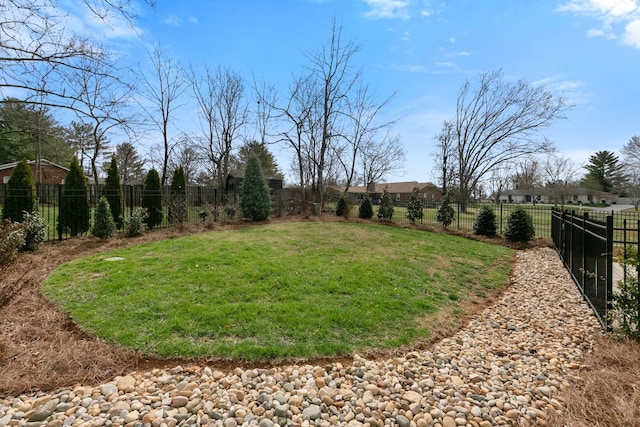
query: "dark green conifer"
152, 199
19, 195
112, 191
255, 200
74, 207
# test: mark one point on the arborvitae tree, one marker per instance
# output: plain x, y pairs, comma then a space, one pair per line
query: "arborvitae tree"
19, 195
414, 207
74, 208
445, 213
366, 209
178, 198
342, 207
385, 211
519, 226
485, 223
255, 201
152, 199
103, 224
112, 191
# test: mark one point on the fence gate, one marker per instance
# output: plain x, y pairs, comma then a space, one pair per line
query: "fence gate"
586, 248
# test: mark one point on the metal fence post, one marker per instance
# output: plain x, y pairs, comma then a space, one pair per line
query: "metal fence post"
609, 275
59, 208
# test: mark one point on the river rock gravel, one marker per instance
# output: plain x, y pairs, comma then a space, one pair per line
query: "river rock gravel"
507, 367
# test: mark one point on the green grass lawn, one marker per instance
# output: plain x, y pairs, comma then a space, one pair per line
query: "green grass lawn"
280, 290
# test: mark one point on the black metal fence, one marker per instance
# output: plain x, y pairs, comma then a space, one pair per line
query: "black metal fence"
586, 248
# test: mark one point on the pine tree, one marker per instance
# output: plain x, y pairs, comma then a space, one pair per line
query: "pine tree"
342, 207
365, 211
255, 200
385, 211
19, 195
178, 198
152, 199
112, 191
103, 224
519, 226
414, 207
485, 223
74, 207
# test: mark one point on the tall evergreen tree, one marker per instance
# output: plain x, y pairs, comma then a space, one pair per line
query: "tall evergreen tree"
112, 191
604, 172
178, 198
19, 195
255, 200
74, 208
152, 199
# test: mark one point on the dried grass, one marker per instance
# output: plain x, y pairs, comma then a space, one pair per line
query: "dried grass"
608, 394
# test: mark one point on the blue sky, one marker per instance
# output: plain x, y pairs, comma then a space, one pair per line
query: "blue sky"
588, 50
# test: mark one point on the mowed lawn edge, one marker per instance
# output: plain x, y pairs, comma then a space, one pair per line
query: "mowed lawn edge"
277, 290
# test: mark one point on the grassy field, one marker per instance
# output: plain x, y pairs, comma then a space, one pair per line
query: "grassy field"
280, 290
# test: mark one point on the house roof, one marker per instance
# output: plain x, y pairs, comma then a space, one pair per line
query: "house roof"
43, 162
401, 187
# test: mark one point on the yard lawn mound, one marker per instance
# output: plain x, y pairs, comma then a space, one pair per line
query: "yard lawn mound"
42, 349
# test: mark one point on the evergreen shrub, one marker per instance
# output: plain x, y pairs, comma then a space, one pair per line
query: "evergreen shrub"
112, 190
365, 211
485, 222
103, 224
445, 214
255, 200
74, 213
178, 198
152, 199
385, 211
35, 231
342, 207
19, 193
519, 226
414, 207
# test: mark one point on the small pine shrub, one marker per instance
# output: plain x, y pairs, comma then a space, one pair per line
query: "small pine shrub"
385, 211
103, 225
11, 240
445, 214
485, 222
35, 231
152, 199
255, 200
19, 193
625, 311
519, 226
365, 211
135, 224
414, 207
342, 207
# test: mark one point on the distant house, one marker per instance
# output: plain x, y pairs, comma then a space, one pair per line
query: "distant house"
576, 196
51, 173
399, 192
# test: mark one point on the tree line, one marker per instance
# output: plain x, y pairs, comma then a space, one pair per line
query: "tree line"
329, 119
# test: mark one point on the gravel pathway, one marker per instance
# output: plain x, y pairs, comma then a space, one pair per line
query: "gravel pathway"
505, 368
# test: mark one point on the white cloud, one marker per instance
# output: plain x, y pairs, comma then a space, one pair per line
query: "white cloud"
387, 9
617, 18
632, 33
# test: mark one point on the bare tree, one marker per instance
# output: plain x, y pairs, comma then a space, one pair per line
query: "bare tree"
298, 116
363, 130
38, 51
498, 122
498, 181
104, 99
333, 68
631, 152
186, 154
445, 168
559, 177
163, 87
223, 113
380, 157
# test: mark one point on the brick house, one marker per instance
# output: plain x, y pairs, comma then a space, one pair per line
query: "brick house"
51, 172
